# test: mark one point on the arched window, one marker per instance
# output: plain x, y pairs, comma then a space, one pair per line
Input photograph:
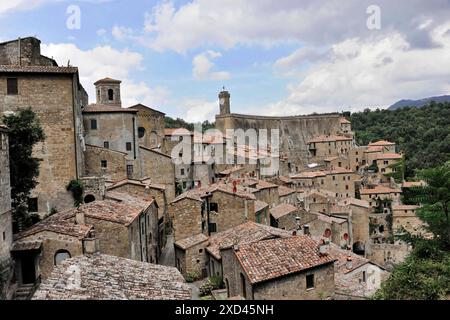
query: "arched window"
141, 132
89, 198
61, 255
110, 94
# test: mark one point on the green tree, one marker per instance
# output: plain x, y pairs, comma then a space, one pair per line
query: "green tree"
25, 132
398, 170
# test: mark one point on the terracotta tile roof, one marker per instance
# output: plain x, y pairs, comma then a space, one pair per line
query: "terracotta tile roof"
126, 198
260, 205
405, 207
271, 259
155, 150
381, 143
285, 191
107, 80
122, 212
380, 190
102, 108
37, 69
141, 183
330, 138
141, 107
262, 184
309, 175
104, 277
321, 193
329, 219
231, 170
388, 156
355, 202
199, 193
281, 210
285, 179
57, 223
344, 120
330, 159
412, 184
177, 132
373, 149
191, 241
244, 233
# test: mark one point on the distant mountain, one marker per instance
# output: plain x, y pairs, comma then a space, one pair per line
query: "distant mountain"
418, 103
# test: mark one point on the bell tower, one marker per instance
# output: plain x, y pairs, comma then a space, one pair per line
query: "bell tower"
108, 92
224, 101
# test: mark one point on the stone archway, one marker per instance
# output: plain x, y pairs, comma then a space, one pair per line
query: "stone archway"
89, 198
359, 248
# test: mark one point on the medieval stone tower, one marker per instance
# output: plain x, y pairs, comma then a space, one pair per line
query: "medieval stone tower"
108, 92
224, 100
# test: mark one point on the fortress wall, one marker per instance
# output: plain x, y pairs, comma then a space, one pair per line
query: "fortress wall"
295, 131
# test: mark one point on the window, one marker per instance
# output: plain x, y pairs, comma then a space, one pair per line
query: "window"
104, 164
93, 124
214, 207
4, 235
346, 187
106, 144
182, 172
110, 94
129, 170
33, 204
310, 281
61, 255
386, 162
128, 146
12, 87
141, 132
212, 227
339, 164
364, 276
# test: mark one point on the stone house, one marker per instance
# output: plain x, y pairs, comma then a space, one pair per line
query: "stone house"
109, 126
150, 126
56, 96
372, 193
278, 269
211, 209
387, 146
200, 254
325, 146
145, 189
284, 216
384, 162
262, 212
37, 249
356, 277
107, 163
105, 277
287, 195
6, 232
404, 217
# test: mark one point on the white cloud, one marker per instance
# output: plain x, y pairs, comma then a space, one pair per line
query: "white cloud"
122, 33
14, 5
105, 61
202, 66
198, 110
101, 32
229, 23
373, 72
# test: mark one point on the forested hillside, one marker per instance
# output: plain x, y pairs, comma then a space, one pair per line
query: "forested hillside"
422, 133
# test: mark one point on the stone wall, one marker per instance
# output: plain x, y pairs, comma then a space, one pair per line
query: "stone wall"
25, 52
159, 168
294, 131
53, 98
195, 259
186, 217
388, 255
153, 124
116, 169
233, 210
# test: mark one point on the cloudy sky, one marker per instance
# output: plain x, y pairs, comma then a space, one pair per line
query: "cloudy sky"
276, 57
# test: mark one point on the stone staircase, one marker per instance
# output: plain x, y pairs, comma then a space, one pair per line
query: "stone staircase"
24, 292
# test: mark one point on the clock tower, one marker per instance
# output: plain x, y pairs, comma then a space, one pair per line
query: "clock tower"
224, 101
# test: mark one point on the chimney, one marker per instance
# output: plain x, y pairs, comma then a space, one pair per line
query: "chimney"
323, 248
349, 264
79, 216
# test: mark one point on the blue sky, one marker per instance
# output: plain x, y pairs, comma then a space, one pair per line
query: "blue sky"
275, 57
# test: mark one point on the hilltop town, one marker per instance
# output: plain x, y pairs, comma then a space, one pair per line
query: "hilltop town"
173, 214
